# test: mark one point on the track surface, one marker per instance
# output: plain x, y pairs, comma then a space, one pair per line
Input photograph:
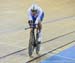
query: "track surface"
58, 29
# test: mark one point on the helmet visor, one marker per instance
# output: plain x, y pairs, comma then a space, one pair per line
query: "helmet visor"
33, 10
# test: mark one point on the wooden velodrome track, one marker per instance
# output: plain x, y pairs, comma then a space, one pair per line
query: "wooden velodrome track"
58, 29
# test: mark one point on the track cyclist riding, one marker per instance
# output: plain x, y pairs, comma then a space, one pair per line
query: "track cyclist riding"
35, 18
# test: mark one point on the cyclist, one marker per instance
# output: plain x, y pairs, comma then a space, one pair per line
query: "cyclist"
36, 15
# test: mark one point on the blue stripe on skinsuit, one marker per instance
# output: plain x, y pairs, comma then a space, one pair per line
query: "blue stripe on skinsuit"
42, 16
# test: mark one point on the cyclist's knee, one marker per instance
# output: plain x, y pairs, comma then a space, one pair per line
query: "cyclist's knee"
39, 26
31, 29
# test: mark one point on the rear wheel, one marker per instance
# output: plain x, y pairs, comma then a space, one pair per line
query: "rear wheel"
38, 48
37, 45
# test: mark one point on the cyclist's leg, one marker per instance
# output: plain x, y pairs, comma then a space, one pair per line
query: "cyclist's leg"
39, 31
40, 27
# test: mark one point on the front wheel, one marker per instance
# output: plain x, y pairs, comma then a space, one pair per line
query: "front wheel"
31, 47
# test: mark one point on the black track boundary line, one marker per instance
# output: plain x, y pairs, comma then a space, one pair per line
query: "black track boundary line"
50, 51
55, 20
13, 53
58, 37
41, 43
58, 19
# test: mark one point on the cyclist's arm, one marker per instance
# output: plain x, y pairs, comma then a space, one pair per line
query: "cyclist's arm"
38, 18
29, 17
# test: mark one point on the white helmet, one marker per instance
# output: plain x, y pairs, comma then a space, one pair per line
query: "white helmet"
34, 8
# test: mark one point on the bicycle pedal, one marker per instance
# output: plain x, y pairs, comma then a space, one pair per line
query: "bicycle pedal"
39, 42
34, 44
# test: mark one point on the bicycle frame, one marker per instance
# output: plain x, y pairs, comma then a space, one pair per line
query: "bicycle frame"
33, 42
